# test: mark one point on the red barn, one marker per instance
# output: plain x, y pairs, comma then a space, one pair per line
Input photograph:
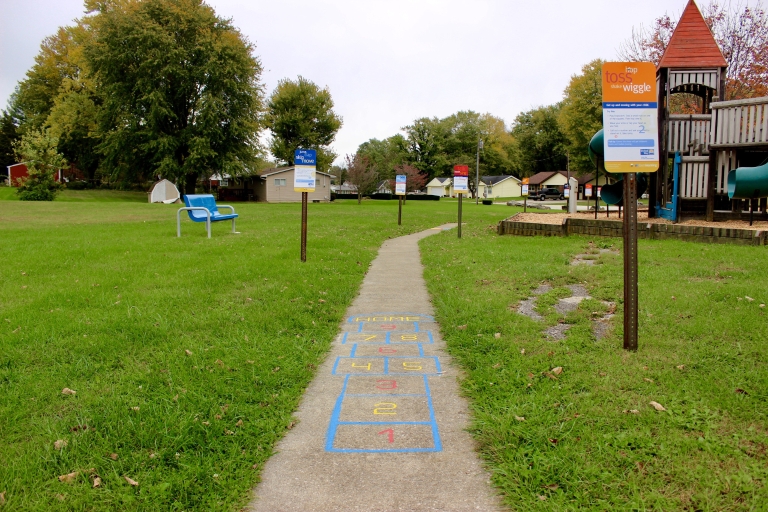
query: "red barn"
17, 171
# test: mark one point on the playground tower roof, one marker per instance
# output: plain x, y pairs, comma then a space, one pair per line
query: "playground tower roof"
692, 44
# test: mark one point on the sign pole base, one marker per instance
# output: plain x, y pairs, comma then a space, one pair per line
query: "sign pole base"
630, 262
460, 196
304, 196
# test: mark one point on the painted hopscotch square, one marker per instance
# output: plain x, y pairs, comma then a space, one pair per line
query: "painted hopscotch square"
386, 350
396, 365
384, 409
384, 385
394, 337
385, 438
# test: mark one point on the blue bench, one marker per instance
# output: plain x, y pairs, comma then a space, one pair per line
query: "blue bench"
202, 208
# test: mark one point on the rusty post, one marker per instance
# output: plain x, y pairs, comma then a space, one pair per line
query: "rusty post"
304, 196
525, 204
399, 210
460, 196
630, 262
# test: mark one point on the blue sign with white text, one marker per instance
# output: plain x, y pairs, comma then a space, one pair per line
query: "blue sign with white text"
305, 157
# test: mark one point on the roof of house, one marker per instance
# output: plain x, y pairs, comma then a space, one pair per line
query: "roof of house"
692, 44
493, 180
541, 177
442, 181
277, 170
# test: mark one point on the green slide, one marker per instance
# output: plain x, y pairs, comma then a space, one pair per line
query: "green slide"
748, 182
612, 194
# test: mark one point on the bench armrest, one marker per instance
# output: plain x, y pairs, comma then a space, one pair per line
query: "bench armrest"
226, 206
188, 208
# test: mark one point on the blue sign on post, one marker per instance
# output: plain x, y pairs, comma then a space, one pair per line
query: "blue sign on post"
305, 166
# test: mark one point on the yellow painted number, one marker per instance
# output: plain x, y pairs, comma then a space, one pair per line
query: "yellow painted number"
369, 338
366, 366
385, 408
411, 366
409, 337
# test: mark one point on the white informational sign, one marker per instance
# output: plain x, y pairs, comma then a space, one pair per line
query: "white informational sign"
599, 189
461, 184
525, 190
400, 185
566, 192
305, 167
588, 191
630, 117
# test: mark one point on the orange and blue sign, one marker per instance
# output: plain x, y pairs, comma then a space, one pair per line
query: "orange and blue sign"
630, 117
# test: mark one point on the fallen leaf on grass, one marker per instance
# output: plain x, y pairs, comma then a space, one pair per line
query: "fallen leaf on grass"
551, 487
741, 391
239, 423
176, 398
750, 299
228, 433
291, 425
220, 363
522, 351
553, 441
68, 478
131, 481
60, 497
646, 379
462, 327
762, 305
497, 335
113, 456
558, 370
520, 418
497, 365
68, 392
549, 376
681, 367
59, 444
603, 374
2, 498
542, 498
136, 409
631, 411
96, 482
657, 406
275, 369
188, 352
218, 416
206, 423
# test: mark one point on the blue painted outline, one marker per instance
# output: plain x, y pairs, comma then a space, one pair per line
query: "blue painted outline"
354, 349
334, 424
388, 338
438, 369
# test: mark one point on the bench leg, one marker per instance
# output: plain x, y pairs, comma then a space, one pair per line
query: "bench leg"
178, 224
208, 226
233, 226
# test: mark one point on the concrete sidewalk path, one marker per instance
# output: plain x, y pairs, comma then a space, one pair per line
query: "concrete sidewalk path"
382, 426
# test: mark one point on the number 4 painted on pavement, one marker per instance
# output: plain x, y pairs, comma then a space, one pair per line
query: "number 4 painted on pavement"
390, 434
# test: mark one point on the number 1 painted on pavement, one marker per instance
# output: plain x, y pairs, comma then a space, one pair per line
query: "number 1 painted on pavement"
390, 434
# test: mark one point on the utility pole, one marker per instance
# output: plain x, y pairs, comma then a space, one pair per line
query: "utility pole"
477, 171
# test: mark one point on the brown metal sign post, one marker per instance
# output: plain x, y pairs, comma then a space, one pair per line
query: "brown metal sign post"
629, 105
304, 168
461, 185
304, 196
400, 181
630, 262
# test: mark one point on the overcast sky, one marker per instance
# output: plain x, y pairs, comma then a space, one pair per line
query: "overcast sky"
388, 62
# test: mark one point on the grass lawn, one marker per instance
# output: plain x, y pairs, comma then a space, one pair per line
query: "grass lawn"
572, 441
187, 355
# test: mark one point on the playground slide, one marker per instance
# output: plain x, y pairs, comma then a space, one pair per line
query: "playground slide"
748, 182
612, 194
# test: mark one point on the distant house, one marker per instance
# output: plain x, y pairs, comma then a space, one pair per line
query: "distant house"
441, 187
499, 186
547, 179
274, 186
344, 188
384, 187
18, 171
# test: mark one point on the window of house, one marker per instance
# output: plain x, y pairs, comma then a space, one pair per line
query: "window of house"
279, 182
224, 183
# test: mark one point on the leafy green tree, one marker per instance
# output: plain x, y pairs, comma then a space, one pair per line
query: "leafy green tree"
426, 146
581, 114
540, 145
8, 136
300, 115
37, 149
181, 91
386, 154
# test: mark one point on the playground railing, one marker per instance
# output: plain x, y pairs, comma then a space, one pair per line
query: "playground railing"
739, 123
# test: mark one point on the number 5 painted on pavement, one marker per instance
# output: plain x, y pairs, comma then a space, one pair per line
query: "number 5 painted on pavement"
411, 366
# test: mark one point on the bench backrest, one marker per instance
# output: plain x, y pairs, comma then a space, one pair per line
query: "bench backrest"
205, 200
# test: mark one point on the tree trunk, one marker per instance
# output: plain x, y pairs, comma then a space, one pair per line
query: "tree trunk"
190, 181
359, 197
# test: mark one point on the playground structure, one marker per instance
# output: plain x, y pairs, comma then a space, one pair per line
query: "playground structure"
713, 165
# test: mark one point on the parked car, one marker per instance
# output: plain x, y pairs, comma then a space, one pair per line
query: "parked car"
549, 193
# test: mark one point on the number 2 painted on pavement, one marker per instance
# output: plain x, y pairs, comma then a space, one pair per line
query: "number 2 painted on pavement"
385, 408
390, 434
